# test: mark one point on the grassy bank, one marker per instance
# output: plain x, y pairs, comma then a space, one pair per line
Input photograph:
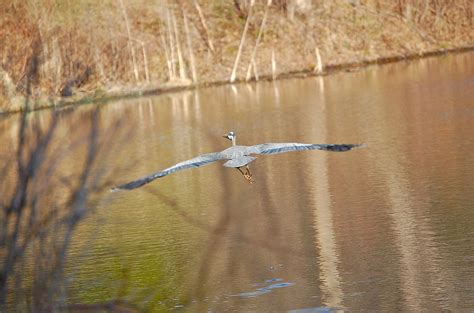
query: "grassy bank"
88, 49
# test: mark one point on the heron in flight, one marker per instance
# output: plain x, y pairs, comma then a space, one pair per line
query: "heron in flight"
237, 157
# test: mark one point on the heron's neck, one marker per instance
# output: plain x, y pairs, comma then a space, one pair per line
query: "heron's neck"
233, 141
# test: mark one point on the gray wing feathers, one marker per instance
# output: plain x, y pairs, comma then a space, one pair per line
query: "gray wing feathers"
274, 148
195, 162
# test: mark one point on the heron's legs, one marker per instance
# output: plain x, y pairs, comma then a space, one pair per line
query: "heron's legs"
240, 171
247, 174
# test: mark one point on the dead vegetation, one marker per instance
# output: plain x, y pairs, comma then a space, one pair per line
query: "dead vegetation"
90, 47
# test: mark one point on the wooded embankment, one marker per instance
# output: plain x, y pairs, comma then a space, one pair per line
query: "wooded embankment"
58, 52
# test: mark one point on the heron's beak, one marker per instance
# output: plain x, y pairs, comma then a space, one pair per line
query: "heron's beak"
225, 136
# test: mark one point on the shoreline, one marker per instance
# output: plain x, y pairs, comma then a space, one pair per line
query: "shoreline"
170, 87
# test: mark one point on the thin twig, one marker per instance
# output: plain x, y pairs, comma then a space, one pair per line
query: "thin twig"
171, 45
241, 45
169, 63
130, 45
254, 51
190, 48
319, 63
182, 70
204, 25
145, 61
273, 65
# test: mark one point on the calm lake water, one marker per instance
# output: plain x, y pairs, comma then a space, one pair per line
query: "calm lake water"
385, 228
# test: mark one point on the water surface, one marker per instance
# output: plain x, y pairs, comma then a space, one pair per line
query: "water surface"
385, 228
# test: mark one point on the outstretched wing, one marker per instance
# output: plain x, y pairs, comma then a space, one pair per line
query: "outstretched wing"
274, 148
194, 162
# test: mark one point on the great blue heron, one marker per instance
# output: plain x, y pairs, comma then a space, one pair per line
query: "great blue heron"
237, 157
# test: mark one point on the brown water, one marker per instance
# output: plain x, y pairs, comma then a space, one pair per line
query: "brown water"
389, 227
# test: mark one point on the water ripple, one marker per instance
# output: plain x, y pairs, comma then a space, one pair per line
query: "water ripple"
264, 290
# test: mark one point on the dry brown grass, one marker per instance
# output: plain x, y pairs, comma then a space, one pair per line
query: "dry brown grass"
86, 45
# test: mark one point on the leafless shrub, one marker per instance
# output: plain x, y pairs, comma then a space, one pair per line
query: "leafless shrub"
44, 198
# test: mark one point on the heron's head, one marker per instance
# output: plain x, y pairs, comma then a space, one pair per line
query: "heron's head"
230, 135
